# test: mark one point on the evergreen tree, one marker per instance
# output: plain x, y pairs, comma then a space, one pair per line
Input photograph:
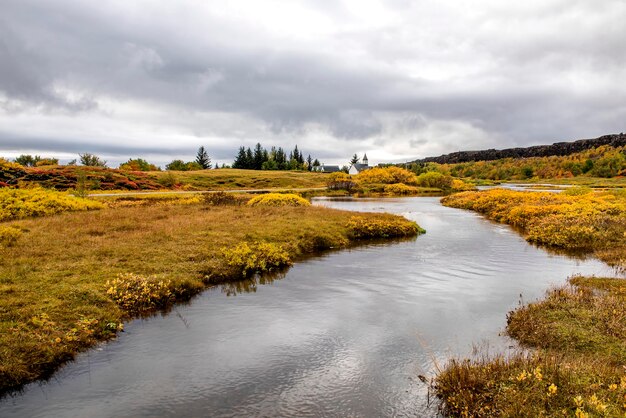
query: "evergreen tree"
257, 162
240, 160
309, 163
203, 159
249, 159
355, 159
281, 159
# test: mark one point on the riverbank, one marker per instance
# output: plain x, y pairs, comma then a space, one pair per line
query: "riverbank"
577, 332
71, 280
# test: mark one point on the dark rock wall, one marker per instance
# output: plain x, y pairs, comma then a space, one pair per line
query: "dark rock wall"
558, 148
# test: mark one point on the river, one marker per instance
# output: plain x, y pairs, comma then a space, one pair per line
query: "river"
343, 334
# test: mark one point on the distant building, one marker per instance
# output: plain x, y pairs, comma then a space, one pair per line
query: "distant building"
327, 168
357, 168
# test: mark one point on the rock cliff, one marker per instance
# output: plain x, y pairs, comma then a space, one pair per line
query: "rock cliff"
558, 148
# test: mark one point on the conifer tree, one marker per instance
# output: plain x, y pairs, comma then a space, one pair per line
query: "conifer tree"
203, 159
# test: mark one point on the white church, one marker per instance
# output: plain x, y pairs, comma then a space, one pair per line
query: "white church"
357, 168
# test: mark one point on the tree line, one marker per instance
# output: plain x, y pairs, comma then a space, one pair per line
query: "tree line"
258, 159
273, 159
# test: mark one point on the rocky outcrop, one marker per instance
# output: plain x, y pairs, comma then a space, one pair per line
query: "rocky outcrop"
558, 148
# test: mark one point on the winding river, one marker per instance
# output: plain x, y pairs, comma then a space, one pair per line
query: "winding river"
343, 334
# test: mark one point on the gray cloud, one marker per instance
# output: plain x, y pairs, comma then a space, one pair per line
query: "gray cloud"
397, 77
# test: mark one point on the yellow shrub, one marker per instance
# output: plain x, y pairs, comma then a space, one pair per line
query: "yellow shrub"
136, 294
362, 228
257, 257
386, 175
18, 203
434, 179
461, 186
278, 199
9, 235
572, 221
400, 189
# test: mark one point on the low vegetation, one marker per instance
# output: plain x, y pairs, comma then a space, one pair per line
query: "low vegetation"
395, 181
578, 219
69, 281
600, 162
578, 331
278, 199
577, 371
19, 204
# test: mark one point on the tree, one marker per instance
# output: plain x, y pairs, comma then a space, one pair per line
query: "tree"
257, 161
309, 163
180, 165
249, 159
27, 160
203, 159
354, 159
240, 159
91, 160
138, 164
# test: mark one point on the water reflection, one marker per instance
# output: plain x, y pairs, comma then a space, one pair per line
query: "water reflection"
250, 285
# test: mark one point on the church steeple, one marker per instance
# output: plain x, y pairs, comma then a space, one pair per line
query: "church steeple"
364, 160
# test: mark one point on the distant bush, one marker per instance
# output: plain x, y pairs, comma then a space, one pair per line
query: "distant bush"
92, 160
340, 181
278, 199
458, 185
138, 164
47, 161
400, 189
386, 175
434, 179
220, 199
180, 165
257, 257
9, 235
363, 228
23, 203
136, 294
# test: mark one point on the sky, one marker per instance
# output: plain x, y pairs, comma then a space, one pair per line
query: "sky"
395, 79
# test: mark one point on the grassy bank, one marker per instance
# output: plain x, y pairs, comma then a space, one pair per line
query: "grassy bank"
230, 178
70, 280
576, 220
578, 332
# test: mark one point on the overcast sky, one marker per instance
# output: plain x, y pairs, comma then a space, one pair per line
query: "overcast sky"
397, 79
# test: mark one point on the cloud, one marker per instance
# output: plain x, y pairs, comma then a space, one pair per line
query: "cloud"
403, 79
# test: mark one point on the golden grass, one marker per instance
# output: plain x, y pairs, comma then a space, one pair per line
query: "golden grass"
580, 331
577, 219
230, 179
53, 279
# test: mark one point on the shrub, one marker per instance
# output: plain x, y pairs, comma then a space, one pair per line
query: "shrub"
92, 160
258, 257
363, 228
278, 199
400, 189
461, 186
17, 204
434, 179
9, 235
340, 181
136, 294
220, 199
138, 164
387, 175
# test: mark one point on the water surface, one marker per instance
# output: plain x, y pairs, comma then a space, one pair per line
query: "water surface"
344, 334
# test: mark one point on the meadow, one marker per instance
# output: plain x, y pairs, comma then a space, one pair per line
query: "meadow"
70, 279
577, 333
